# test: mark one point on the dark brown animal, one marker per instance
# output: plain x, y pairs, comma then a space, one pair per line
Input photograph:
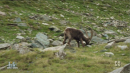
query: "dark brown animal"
72, 33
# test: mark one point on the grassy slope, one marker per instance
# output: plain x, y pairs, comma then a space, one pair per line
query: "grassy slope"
80, 62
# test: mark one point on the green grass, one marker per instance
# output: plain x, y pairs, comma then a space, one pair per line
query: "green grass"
83, 60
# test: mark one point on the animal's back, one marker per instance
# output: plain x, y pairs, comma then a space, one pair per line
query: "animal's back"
75, 33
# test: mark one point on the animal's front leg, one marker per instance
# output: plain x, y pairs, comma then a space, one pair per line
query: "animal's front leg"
69, 42
81, 40
78, 43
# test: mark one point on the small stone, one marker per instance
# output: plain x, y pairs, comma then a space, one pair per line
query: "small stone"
104, 50
109, 45
56, 43
20, 37
4, 45
127, 41
17, 19
108, 54
45, 24
2, 13
123, 47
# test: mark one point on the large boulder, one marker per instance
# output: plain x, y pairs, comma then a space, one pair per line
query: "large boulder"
109, 45
22, 47
122, 47
98, 40
56, 43
2, 13
125, 69
110, 32
4, 45
127, 41
42, 39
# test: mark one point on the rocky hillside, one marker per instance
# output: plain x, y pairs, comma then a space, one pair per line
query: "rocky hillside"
27, 26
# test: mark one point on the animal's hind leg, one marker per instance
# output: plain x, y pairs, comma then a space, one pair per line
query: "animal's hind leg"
65, 38
69, 42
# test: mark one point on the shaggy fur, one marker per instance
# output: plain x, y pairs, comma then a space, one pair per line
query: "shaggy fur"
72, 33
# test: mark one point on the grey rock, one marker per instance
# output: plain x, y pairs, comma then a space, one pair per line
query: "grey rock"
19, 37
106, 36
4, 45
45, 17
98, 40
95, 52
2, 13
22, 24
45, 24
110, 32
115, 23
125, 69
63, 22
109, 45
123, 54
56, 43
127, 41
17, 19
122, 47
108, 54
22, 47
54, 28
42, 39
104, 50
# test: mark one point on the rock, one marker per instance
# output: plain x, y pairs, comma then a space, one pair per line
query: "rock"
45, 24
54, 28
127, 41
95, 52
22, 24
106, 36
110, 32
19, 37
123, 47
53, 48
45, 17
89, 46
61, 15
56, 43
109, 45
2, 13
108, 54
123, 54
42, 39
3, 67
4, 45
22, 47
60, 54
60, 38
63, 22
125, 69
104, 50
17, 19
36, 45
98, 40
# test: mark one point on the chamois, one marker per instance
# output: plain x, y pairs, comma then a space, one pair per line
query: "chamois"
72, 33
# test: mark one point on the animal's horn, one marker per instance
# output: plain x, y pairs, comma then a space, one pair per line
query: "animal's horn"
86, 33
